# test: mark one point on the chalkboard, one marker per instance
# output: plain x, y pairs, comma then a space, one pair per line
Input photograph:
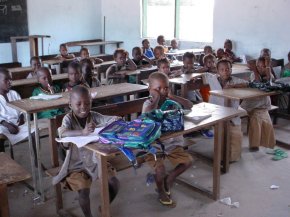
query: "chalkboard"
13, 19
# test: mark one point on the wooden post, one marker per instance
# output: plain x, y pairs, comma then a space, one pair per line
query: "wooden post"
217, 159
4, 206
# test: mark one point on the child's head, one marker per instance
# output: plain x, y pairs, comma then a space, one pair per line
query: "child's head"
159, 82
220, 53
209, 60
63, 49
188, 60
87, 69
137, 53
35, 63
161, 40
174, 44
228, 45
163, 66
74, 73
44, 77
120, 56
146, 43
224, 69
84, 53
207, 50
5, 80
265, 52
80, 101
261, 66
158, 52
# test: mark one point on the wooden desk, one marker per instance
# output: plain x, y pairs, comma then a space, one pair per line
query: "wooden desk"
29, 106
241, 71
10, 172
19, 72
181, 52
220, 117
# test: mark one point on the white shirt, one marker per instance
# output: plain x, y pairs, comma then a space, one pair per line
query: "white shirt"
6, 112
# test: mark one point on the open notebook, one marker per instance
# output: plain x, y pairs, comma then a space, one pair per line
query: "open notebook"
46, 97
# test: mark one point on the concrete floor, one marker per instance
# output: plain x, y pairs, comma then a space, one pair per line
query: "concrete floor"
248, 183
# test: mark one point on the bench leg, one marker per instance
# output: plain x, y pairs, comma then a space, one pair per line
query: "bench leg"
59, 202
4, 206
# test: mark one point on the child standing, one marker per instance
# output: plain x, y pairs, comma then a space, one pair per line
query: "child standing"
222, 80
46, 87
261, 132
80, 166
35, 65
87, 69
159, 92
64, 55
74, 76
147, 50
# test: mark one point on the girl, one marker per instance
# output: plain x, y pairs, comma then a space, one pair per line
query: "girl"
158, 54
147, 50
64, 55
88, 73
35, 65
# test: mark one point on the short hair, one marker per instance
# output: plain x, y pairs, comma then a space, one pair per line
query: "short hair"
118, 51
159, 47
84, 49
34, 58
162, 61
158, 76
80, 90
228, 41
265, 50
143, 41
207, 47
159, 38
62, 45
173, 40
136, 48
86, 61
219, 50
188, 55
41, 69
75, 65
223, 61
4, 71
208, 57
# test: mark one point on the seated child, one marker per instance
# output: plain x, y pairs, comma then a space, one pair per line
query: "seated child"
228, 46
188, 63
221, 80
147, 50
87, 69
174, 46
140, 59
46, 87
35, 65
159, 92
158, 54
220, 54
115, 74
85, 53
64, 55
261, 132
207, 50
80, 166
161, 42
74, 77
285, 72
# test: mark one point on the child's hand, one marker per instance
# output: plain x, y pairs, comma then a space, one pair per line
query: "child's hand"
155, 96
126, 54
90, 128
12, 128
21, 120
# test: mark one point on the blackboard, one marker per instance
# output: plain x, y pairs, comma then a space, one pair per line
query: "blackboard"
13, 19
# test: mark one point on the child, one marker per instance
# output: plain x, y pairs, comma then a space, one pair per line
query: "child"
221, 80
46, 87
74, 76
220, 54
208, 64
35, 65
188, 63
228, 46
207, 50
87, 69
139, 59
285, 72
158, 54
261, 132
161, 41
85, 53
159, 92
174, 46
64, 55
115, 74
147, 50
80, 166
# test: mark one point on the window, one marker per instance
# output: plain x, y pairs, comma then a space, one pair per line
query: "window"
190, 20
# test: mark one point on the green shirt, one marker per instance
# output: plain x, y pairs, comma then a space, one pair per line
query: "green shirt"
48, 113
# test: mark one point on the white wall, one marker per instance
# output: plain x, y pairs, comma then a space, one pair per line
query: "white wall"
65, 20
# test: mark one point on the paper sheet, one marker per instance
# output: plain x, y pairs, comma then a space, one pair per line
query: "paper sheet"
15, 138
81, 141
46, 97
197, 117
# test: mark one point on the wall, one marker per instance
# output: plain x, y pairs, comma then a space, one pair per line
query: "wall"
63, 20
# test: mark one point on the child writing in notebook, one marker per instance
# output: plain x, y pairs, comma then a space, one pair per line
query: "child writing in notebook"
146, 49
64, 55
87, 69
261, 132
80, 166
46, 87
85, 53
74, 76
161, 42
35, 65
223, 79
159, 92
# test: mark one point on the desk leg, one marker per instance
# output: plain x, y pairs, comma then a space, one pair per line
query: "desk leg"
104, 186
31, 153
217, 159
38, 157
4, 206
183, 92
226, 147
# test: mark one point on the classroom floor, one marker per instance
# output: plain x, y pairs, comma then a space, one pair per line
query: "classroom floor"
248, 183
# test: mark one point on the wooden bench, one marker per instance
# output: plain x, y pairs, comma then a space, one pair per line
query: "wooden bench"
10, 172
11, 65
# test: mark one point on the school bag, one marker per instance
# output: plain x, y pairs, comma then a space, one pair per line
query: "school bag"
170, 116
126, 136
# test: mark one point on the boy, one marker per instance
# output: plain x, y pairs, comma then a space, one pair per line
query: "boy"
208, 64
174, 46
87, 70
140, 59
80, 166
46, 87
35, 65
85, 53
161, 42
261, 132
207, 50
221, 80
64, 55
159, 92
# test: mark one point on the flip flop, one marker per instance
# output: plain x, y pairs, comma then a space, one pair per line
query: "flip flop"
170, 203
279, 155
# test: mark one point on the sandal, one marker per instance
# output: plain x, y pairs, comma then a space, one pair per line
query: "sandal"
169, 203
279, 154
